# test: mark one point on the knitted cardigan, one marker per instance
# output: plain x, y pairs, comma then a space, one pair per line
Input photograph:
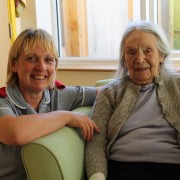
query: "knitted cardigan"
114, 105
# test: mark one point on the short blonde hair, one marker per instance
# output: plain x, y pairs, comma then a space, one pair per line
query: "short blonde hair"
26, 41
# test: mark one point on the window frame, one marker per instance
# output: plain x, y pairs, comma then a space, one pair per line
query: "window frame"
81, 63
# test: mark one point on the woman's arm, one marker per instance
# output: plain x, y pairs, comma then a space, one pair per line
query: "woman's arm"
95, 154
19, 130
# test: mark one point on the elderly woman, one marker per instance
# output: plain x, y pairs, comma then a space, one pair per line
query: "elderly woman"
138, 114
33, 105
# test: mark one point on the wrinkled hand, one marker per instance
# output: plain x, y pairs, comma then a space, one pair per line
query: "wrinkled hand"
83, 122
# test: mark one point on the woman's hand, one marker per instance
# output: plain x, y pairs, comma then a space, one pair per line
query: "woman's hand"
83, 122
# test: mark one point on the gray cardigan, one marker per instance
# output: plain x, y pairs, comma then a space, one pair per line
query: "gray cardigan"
114, 105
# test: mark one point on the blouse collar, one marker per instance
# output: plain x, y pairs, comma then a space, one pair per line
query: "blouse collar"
18, 100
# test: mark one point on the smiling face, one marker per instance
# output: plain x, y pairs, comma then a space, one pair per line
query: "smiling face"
36, 70
142, 57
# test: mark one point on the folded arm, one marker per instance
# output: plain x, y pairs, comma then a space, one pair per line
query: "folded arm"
19, 130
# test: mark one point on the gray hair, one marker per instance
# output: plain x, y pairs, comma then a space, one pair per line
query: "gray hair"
162, 43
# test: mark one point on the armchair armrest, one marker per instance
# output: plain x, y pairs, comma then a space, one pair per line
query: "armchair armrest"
59, 155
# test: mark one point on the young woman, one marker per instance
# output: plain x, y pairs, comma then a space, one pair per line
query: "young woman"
33, 105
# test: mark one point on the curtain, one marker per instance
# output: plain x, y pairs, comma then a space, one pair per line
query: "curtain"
15, 8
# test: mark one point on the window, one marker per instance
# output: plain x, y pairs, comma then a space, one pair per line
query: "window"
91, 29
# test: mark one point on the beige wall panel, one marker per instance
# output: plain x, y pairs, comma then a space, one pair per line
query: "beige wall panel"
4, 40
84, 78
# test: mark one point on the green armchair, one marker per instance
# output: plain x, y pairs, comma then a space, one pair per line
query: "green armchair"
57, 156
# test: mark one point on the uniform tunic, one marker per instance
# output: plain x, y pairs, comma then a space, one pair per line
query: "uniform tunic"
13, 103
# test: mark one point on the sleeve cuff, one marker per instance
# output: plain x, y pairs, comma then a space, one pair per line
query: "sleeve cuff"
97, 176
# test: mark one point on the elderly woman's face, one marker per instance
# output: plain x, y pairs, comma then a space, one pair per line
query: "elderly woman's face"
36, 70
142, 57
